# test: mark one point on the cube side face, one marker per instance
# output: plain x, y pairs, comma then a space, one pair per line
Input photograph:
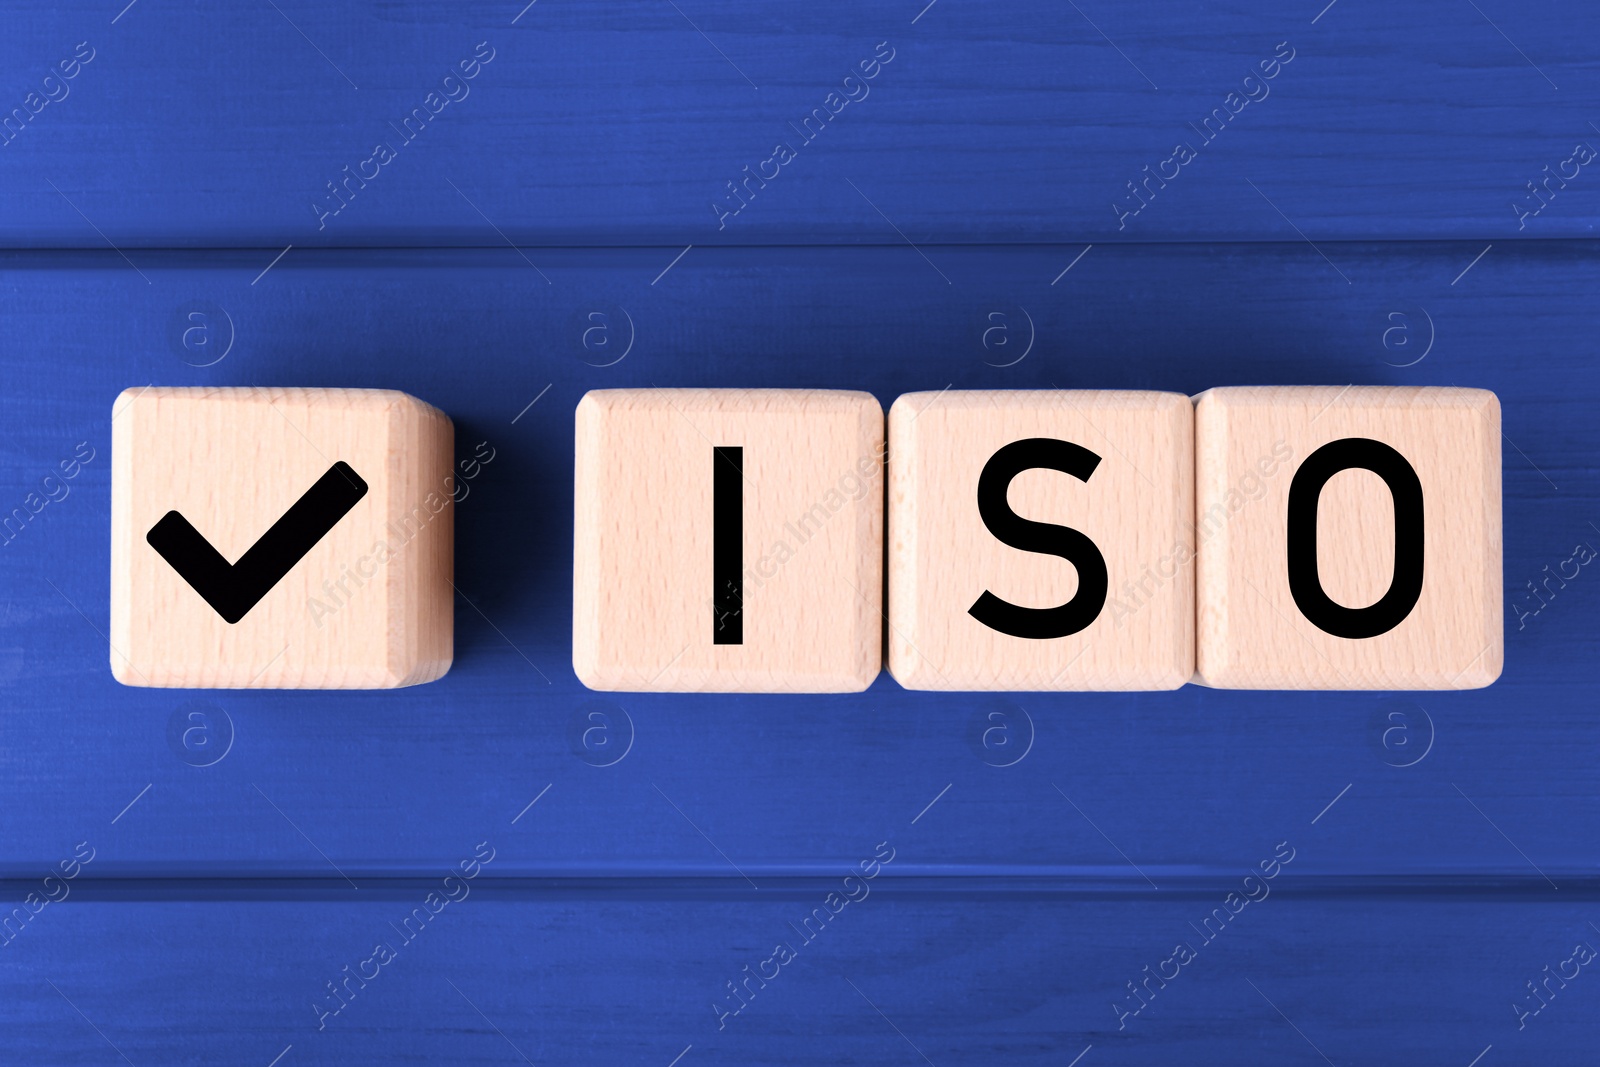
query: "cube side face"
588, 512
1135, 507
420, 593
347, 613
1253, 442
125, 429
645, 614
1212, 532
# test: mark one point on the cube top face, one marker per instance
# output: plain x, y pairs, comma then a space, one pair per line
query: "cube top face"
1130, 494
800, 511
1408, 564
342, 499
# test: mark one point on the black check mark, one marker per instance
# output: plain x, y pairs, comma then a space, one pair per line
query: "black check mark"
233, 589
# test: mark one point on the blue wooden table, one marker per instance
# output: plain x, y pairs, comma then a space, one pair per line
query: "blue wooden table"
1018, 195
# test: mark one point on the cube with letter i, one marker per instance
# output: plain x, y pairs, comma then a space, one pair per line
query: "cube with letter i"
728, 540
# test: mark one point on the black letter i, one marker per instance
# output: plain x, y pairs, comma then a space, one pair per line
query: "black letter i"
727, 545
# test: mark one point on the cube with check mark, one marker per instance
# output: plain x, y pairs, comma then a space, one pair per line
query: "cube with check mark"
280, 538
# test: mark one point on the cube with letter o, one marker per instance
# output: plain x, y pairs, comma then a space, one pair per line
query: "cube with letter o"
1349, 538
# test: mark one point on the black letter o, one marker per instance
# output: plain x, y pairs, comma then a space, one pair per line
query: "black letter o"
1305, 492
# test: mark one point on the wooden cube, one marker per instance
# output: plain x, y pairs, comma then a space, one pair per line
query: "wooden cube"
728, 540
280, 538
1349, 538
1041, 540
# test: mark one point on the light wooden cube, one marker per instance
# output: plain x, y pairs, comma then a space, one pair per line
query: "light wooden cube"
698, 568
1280, 470
1114, 480
313, 528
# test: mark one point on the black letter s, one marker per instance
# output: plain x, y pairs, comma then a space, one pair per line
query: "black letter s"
1029, 536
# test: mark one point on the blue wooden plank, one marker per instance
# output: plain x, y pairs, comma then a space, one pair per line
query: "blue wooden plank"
1172, 785
626, 122
210, 879
896, 977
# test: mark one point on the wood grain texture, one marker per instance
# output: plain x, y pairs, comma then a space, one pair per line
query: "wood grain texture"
369, 606
1433, 829
1135, 507
1160, 773
622, 124
629, 974
1250, 442
232, 912
643, 578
